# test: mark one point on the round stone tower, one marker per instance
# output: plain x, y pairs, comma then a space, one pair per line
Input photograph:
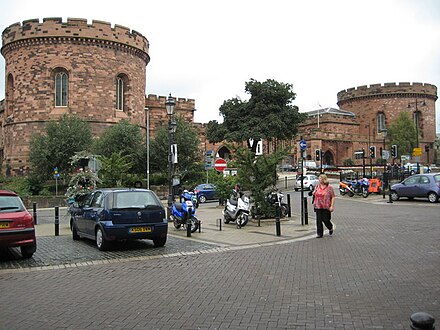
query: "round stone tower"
93, 71
376, 107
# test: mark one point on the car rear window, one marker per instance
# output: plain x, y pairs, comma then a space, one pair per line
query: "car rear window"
10, 204
135, 199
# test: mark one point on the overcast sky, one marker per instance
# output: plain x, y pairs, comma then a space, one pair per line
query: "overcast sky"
207, 50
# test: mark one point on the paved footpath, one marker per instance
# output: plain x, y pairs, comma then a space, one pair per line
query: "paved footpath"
381, 265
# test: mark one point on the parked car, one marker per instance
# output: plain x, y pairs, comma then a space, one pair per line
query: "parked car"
411, 168
205, 191
309, 182
419, 185
16, 224
107, 215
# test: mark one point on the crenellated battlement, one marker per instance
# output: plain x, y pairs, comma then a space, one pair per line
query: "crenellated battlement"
74, 28
395, 89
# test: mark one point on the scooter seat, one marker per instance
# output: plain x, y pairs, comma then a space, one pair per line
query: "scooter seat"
178, 206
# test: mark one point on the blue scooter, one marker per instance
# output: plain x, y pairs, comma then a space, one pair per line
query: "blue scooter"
184, 211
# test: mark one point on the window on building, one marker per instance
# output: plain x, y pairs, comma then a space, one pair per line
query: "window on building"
61, 89
121, 92
10, 95
380, 122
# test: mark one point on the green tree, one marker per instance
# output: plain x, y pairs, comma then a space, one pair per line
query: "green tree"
124, 138
188, 155
269, 114
114, 169
258, 174
403, 133
57, 145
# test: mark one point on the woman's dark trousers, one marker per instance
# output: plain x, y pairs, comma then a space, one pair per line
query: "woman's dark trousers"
323, 216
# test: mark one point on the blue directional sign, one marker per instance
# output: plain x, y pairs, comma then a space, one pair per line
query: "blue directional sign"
303, 144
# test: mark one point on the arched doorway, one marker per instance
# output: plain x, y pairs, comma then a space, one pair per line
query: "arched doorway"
224, 153
328, 159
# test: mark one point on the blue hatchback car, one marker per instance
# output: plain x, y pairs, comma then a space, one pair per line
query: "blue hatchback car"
107, 215
205, 191
419, 185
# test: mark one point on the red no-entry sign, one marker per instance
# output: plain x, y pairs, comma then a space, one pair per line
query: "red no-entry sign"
220, 164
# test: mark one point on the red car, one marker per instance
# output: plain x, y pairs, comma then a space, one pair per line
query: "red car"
16, 224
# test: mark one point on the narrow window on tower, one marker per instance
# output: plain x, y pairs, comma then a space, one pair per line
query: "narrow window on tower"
119, 93
380, 122
61, 89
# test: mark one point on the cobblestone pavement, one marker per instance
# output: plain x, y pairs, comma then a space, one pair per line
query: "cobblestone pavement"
381, 265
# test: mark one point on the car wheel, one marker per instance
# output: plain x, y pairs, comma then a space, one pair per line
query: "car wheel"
412, 172
75, 235
296, 189
202, 199
28, 251
394, 196
433, 197
101, 243
311, 187
159, 241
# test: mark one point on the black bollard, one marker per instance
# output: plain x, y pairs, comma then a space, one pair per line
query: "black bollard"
259, 218
220, 224
390, 201
57, 221
277, 220
289, 212
34, 209
422, 321
306, 213
200, 226
285, 182
188, 224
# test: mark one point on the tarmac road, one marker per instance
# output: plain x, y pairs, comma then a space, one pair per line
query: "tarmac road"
381, 266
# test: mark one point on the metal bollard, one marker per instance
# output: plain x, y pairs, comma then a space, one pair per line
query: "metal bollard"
34, 209
285, 182
259, 218
57, 221
220, 224
289, 211
422, 321
306, 213
277, 221
188, 225
200, 226
390, 201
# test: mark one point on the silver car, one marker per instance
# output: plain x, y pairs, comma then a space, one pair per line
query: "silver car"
309, 182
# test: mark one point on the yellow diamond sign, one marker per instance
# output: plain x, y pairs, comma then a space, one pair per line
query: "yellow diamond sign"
417, 152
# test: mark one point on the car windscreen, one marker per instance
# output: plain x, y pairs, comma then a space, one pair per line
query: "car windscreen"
10, 204
135, 200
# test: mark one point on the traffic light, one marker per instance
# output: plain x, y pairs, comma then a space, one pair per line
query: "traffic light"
372, 152
317, 154
394, 151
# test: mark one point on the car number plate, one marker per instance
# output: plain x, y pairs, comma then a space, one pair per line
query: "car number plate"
140, 230
189, 203
4, 224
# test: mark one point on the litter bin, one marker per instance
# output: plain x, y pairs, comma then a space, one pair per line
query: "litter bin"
375, 186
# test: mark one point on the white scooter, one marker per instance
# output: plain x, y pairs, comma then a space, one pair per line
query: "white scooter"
237, 210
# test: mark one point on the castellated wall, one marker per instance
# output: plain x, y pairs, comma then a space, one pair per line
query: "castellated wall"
391, 99
93, 55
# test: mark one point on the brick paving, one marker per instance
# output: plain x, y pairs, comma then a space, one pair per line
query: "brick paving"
382, 265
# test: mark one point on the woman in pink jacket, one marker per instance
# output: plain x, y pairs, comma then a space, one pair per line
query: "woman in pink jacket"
324, 204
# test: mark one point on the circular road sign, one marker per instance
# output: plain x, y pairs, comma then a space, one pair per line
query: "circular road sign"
303, 144
220, 164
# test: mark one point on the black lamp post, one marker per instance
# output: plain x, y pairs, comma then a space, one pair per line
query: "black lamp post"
417, 122
384, 132
169, 105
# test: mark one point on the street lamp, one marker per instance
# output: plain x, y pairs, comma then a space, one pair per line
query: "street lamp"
384, 132
416, 117
169, 105
147, 123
